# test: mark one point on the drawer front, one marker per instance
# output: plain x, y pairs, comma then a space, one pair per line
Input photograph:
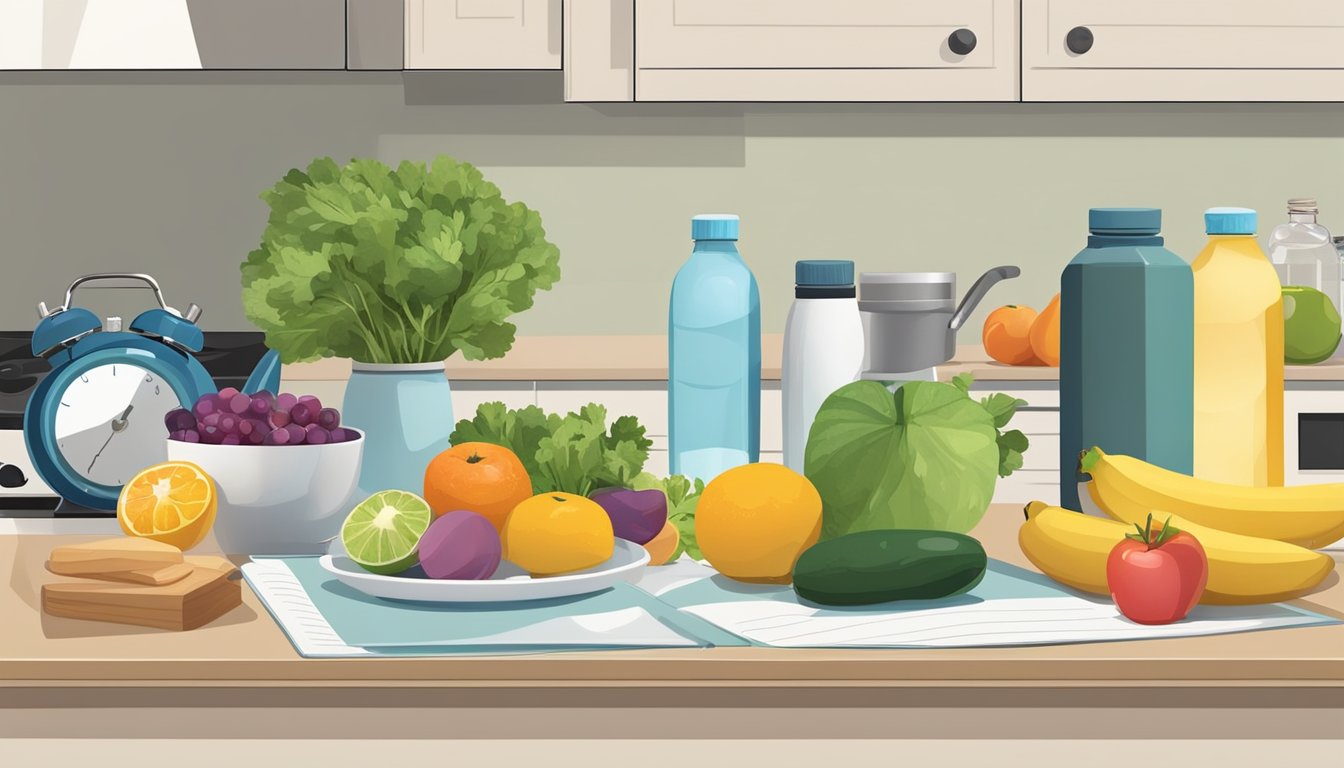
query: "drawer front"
805, 34
483, 34
1191, 34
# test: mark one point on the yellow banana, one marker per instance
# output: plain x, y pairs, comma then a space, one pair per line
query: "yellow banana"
1128, 489
1072, 548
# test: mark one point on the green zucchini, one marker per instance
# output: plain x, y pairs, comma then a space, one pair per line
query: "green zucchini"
882, 566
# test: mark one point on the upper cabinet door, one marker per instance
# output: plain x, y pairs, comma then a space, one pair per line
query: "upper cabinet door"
1192, 50
172, 34
483, 34
831, 50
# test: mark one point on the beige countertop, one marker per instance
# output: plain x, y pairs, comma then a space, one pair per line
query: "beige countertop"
247, 648
644, 358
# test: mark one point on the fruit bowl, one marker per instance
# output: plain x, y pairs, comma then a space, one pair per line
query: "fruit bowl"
277, 500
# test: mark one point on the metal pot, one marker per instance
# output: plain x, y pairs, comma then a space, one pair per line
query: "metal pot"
910, 319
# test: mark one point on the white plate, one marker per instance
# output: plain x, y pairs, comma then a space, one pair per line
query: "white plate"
509, 584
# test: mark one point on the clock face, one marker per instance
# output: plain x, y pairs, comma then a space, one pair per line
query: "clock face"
109, 422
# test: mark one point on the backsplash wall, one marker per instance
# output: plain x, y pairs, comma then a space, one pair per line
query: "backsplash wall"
160, 172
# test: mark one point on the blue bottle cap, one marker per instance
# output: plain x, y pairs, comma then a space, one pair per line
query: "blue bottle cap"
1124, 221
824, 272
714, 226
1229, 221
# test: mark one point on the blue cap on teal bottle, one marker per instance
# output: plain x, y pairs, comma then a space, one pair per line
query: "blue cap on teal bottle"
714, 226
824, 273
1229, 221
1124, 221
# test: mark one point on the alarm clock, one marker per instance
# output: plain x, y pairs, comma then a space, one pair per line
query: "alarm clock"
97, 418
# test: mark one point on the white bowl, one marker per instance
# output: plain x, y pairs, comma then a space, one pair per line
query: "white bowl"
277, 499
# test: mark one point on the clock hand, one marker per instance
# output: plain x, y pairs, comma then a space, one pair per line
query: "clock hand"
118, 424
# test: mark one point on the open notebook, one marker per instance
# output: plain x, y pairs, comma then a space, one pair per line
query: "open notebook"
1010, 606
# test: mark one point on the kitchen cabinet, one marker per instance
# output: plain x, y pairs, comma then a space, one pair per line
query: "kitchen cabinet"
1195, 50
843, 50
483, 34
173, 34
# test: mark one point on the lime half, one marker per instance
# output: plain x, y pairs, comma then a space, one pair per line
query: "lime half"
383, 533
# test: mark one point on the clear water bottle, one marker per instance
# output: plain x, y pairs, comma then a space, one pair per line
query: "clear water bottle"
714, 351
1303, 252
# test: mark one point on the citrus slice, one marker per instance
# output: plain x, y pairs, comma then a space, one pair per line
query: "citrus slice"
383, 533
173, 503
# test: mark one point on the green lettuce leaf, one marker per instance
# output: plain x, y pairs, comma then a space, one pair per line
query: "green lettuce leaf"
924, 457
574, 453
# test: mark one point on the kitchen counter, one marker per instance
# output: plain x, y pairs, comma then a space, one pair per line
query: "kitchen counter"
644, 358
232, 677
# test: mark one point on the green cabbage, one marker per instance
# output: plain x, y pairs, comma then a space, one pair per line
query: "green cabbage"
926, 456
384, 266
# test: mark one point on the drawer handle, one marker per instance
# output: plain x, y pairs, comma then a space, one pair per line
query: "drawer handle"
1079, 40
961, 41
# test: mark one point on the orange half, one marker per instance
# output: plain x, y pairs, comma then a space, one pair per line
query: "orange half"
173, 503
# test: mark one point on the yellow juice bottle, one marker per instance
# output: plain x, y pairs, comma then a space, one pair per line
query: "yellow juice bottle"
1238, 355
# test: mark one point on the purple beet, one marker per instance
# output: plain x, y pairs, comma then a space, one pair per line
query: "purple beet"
460, 545
636, 516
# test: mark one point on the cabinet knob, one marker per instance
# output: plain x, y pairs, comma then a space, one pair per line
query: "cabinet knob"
961, 41
1079, 40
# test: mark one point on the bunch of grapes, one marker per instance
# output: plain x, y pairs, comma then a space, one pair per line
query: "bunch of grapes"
233, 418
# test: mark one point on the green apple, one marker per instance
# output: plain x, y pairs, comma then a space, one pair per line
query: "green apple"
1310, 325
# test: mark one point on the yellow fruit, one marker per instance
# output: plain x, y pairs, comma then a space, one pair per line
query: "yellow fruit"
754, 521
173, 503
1128, 489
554, 533
1072, 548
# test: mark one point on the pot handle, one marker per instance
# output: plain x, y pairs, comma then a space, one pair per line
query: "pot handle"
978, 292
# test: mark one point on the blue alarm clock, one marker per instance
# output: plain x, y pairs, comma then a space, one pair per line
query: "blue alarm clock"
98, 418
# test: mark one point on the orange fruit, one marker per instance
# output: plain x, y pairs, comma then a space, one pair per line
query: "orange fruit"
483, 478
754, 521
173, 503
1045, 334
553, 533
662, 546
1007, 335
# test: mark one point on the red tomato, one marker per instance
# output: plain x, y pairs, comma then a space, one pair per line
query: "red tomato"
1157, 576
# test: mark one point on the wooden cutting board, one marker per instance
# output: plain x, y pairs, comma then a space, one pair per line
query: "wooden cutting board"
208, 592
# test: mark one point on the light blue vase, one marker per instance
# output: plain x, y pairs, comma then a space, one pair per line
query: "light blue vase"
406, 413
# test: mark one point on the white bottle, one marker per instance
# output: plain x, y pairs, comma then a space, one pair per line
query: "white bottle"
1303, 252
823, 347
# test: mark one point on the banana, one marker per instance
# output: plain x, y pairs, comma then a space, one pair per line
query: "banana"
1072, 548
1128, 489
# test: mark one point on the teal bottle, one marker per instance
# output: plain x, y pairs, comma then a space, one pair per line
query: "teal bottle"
1126, 366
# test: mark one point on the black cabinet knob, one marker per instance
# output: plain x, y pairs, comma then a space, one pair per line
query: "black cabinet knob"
1079, 40
961, 42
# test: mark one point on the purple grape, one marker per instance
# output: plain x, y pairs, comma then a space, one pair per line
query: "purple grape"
311, 401
210, 420
315, 435
250, 425
279, 419
276, 437
179, 419
285, 401
257, 437
240, 403
205, 406
212, 435
190, 436
228, 423
343, 435
329, 418
261, 403
226, 394
297, 434
231, 440
302, 414
180, 435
